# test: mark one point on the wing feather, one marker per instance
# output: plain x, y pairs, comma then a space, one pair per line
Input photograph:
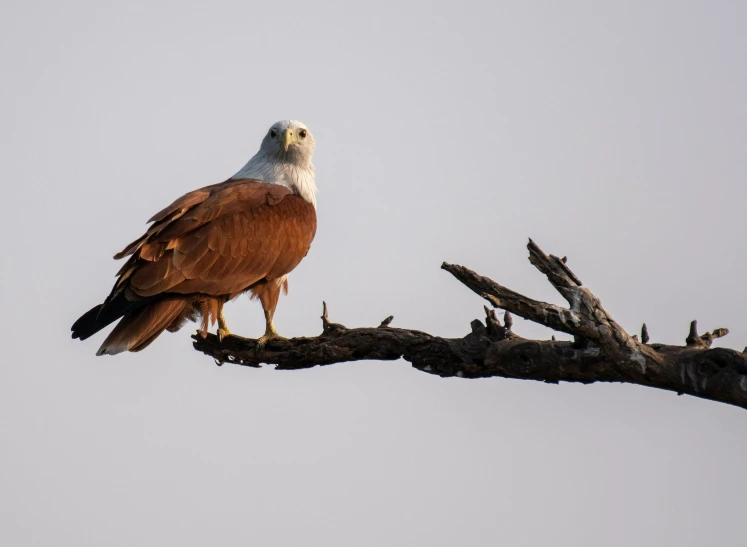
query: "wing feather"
220, 240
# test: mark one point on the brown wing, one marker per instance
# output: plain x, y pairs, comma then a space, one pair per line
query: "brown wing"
219, 240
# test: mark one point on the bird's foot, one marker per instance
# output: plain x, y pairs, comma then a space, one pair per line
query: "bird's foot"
268, 336
222, 332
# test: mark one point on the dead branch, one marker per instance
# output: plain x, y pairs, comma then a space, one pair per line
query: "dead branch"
602, 351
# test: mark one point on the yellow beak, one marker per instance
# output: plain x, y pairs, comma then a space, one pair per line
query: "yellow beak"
289, 138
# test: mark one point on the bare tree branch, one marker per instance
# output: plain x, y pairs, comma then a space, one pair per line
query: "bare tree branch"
602, 351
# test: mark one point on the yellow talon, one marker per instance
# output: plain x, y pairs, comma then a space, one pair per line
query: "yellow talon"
270, 334
262, 340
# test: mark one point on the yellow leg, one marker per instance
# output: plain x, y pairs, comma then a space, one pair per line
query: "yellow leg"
270, 332
222, 327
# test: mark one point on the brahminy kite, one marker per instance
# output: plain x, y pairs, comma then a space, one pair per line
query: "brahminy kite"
213, 244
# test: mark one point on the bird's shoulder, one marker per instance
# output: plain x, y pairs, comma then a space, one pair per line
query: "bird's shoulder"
247, 191
199, 207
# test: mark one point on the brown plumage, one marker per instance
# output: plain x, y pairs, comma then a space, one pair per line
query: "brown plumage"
206, 248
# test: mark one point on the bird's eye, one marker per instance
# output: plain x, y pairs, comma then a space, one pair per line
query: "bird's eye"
302, 133
273, 133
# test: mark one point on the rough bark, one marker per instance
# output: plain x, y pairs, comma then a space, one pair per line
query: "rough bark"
602, 351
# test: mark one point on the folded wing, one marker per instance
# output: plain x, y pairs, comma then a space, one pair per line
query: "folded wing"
219, 240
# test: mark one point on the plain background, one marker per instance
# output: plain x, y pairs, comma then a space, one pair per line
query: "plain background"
611, 132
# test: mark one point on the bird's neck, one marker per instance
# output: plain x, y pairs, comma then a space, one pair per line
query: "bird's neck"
298, 178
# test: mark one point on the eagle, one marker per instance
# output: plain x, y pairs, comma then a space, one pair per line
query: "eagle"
213, 244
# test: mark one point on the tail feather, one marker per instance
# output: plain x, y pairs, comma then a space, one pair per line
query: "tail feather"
103, 315
140, 327
88, 325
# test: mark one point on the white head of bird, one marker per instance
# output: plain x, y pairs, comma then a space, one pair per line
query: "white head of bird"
284, 157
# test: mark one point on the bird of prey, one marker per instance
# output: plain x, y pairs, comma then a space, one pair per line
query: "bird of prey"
213, 244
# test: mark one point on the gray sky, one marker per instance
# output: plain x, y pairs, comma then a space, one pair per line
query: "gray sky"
611, 132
